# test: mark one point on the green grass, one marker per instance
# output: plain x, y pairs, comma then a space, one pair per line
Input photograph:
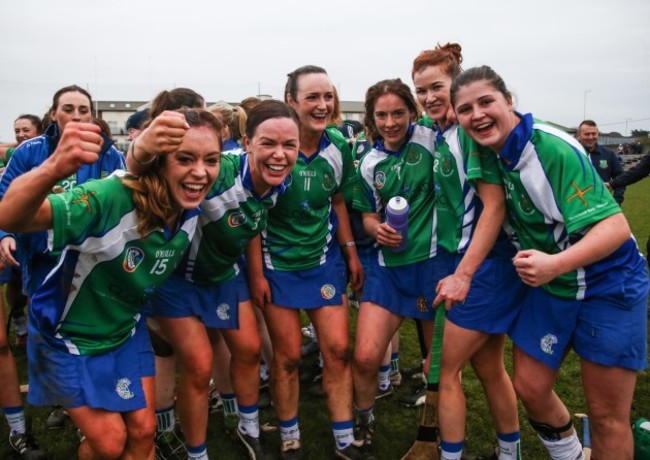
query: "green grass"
397, 425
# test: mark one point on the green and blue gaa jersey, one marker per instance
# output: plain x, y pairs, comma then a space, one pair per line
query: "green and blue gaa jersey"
233, 214
302, 225
407, 173
456, 168
90, 302
554, 196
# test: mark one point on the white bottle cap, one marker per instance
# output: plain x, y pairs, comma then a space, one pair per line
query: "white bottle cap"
398, 204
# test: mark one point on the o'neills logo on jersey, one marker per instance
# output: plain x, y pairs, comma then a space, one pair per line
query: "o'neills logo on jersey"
133, 258
380, 180
237, 219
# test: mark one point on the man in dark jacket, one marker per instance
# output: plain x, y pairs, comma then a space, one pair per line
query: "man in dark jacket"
606, 162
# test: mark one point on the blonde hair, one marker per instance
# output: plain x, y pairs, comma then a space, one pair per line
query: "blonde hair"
234, 117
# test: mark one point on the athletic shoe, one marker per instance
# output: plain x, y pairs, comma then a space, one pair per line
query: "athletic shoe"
309, 348
381, 394
354, 451
24, 445
170, 445
395, 378
290, 449
414, 373
308, 331
254, 447
364, 432
214, 401
416, 399
57, 418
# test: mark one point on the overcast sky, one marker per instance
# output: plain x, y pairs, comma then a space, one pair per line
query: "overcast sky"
554, 55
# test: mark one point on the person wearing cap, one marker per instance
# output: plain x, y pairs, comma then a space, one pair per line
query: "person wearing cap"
134, 123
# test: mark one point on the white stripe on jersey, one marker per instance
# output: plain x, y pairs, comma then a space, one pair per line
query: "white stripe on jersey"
367, 171
469, 211
334, 157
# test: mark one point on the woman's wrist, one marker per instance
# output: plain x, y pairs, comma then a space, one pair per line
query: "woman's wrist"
135, 158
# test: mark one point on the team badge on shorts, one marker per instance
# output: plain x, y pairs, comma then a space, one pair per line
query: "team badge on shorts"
134, 257
327, 291
122, 388
222, 311
421, 304
547, 342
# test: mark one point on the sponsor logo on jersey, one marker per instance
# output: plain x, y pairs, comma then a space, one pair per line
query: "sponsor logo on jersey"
132, 259
84, 199
525, 205
580, 194
327, 291
223, 311
122, 388
380, 180
236, 219
546, 343
328, 182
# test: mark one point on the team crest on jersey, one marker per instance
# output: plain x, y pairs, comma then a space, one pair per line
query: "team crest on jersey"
602, 164
122, 388
447, 166
380, 179
132, 259
328, 182
223, 311
327, 291
237, 219
413, 156
421, 303
546, 343
525, 205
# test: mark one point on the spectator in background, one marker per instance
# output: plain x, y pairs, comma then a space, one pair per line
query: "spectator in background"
135, 122
607, 163
248, 103
632, 176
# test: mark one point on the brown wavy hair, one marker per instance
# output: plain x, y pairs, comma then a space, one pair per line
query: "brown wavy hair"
154, 203
394, 86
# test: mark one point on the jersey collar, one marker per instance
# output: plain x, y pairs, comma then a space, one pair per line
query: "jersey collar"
517, 140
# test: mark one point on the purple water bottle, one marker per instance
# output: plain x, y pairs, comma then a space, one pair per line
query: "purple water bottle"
397, 216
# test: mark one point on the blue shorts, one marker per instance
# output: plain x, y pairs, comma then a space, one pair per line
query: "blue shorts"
407, 291
609, 329
111, 381
494, 298
316, 287
217, 306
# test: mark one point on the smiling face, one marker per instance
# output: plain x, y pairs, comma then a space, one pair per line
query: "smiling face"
314, 101
392, 118
485, 114
272, 152
193, 168
72, 106
588, 136
432, 86
24, 129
